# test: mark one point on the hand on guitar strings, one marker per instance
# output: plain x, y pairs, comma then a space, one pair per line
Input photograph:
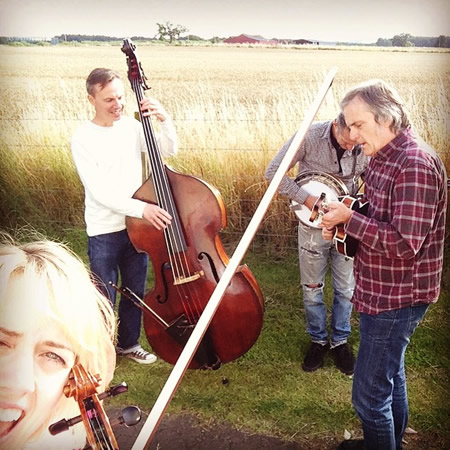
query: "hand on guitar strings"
337, 214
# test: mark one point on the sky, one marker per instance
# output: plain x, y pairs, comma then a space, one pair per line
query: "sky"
324, 20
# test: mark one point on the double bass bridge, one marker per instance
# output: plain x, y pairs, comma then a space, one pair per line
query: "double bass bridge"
187, 279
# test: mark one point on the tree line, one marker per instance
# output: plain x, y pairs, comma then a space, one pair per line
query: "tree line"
406, 40
168, 32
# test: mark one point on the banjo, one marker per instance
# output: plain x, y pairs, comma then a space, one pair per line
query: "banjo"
328, 188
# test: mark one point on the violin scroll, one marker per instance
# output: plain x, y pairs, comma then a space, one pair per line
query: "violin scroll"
82, 387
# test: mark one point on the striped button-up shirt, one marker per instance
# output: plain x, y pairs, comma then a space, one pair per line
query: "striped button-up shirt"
401, 241
318, 154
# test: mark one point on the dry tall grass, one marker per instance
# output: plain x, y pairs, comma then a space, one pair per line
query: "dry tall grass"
233, 108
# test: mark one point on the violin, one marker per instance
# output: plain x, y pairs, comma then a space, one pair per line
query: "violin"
82, 386
188, 260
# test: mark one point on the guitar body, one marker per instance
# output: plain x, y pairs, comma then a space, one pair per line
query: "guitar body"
345, 244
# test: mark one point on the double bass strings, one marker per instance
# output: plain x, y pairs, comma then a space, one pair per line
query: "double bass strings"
172, 234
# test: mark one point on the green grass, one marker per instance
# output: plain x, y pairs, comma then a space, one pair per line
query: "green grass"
266, 391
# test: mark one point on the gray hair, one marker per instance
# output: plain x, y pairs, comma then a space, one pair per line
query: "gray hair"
101, 77
340, 122
383, 102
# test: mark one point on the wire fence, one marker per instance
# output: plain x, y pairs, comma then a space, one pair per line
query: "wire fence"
62, 215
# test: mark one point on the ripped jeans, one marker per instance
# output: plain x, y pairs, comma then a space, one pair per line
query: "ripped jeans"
313, 261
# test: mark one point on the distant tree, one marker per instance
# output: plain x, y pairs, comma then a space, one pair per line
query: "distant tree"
216, 39
442, 41
406, 40
384, 42
422, 41
85, 37
193, 37
140, 38
402, 40
168, 30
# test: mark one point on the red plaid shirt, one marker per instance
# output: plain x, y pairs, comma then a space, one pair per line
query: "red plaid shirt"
401, 241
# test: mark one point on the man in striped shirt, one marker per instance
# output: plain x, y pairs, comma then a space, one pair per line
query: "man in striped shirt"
398, 264
326, 148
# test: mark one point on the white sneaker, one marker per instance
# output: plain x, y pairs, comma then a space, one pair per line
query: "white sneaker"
139, 355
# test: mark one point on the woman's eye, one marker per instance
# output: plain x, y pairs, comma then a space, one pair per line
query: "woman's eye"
4, 344
53, 357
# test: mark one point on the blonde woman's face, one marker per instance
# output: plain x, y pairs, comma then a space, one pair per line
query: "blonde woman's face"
35, 360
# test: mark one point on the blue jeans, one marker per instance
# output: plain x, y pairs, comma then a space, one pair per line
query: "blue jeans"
379, 383
314, 252
109, 255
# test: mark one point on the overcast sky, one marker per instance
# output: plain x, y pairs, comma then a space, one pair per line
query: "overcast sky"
325, 20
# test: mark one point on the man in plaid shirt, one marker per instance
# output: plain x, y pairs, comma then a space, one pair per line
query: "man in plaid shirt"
398, 264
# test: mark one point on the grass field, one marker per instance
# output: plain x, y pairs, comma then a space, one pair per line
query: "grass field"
233, 108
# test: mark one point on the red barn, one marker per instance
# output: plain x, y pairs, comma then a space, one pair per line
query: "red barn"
246, 39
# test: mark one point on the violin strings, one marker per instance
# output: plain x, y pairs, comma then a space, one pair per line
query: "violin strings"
101, 438
87, 403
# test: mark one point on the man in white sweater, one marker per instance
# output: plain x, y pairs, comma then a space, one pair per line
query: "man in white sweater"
108, 153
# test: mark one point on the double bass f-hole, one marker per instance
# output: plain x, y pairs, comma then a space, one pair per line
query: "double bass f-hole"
82, 386
188, 259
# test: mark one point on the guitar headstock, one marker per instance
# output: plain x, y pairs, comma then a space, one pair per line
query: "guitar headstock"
135, 72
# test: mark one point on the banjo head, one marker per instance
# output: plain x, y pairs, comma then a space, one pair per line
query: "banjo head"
317, 184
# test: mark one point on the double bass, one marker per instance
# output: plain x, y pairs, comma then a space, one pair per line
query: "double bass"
188, 259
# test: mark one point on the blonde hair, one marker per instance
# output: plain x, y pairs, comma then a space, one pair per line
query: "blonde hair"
58, 279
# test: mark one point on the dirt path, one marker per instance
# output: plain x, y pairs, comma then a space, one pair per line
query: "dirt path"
186, 432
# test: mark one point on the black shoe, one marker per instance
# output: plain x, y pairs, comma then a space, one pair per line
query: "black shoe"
344, 359
352, 444
314, 357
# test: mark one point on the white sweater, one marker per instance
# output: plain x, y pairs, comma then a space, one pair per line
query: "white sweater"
109, 163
